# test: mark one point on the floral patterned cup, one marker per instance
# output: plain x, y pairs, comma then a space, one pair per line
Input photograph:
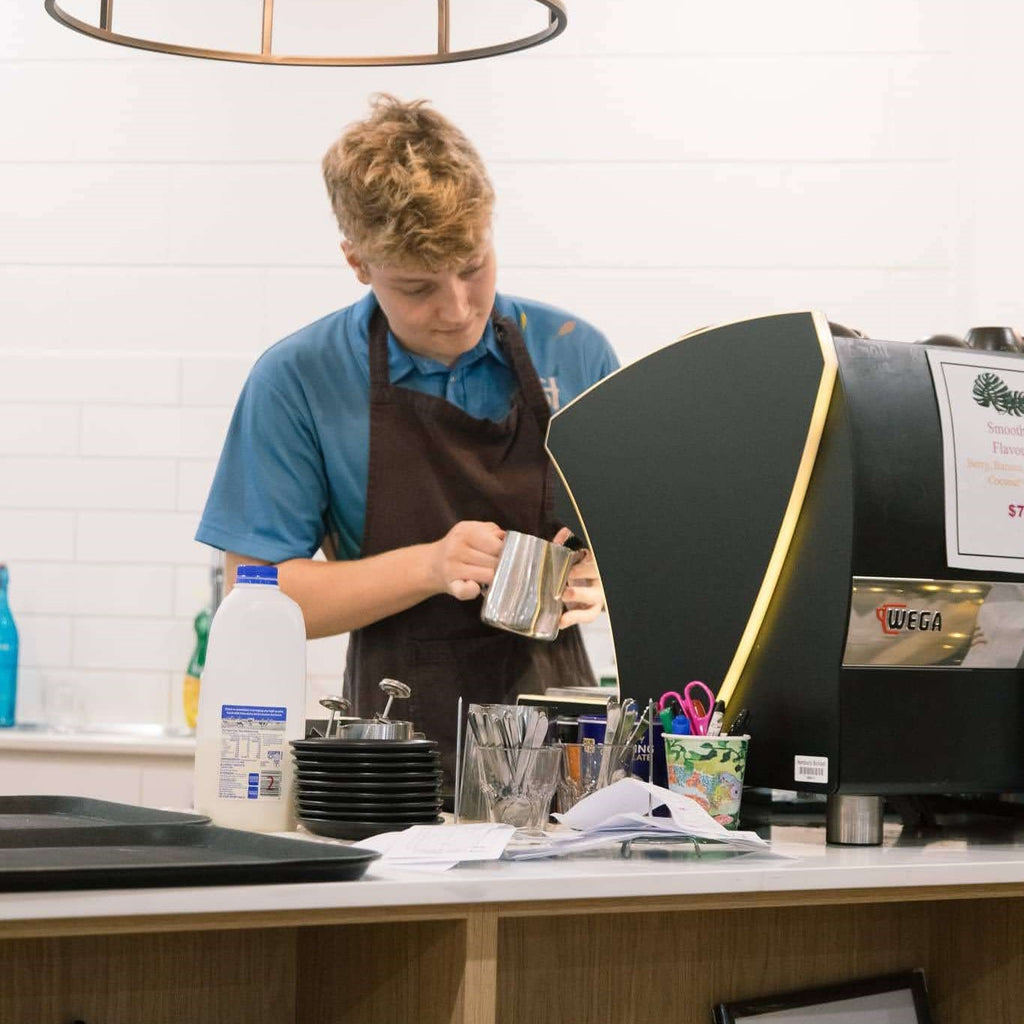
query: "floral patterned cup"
709, 770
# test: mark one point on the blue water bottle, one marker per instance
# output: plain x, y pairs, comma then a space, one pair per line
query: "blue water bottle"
8, 654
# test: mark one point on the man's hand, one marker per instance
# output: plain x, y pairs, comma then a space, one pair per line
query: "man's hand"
464, 559
583, 596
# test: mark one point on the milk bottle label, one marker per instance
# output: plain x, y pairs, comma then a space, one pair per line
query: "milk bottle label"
252, 751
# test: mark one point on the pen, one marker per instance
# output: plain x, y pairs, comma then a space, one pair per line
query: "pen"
666, 720
740, 723
715, 727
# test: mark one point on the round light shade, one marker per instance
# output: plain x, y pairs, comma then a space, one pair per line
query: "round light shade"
103, 29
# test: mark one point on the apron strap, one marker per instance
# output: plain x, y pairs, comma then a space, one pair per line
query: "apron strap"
380, 375
511, 340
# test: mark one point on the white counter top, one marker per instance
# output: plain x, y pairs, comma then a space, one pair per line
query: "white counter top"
153, 740
646, 877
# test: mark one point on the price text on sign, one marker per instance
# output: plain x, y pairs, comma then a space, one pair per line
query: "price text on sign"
1016, 511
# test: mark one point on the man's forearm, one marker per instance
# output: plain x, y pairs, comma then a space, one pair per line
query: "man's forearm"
336, 597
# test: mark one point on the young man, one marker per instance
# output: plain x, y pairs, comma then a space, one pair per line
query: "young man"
404, 435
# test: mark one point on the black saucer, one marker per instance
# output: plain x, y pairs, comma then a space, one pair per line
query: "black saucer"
360, 796
372, 808
393, 773
341, 746
358, 757
358, 829
355, 796
409, 817
401, 776
342, 786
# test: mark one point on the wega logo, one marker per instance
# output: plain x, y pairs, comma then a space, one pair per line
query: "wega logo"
896, 619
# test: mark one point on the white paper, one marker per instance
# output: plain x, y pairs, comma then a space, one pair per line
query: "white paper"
981, 409
622, 797
621, 812
422, 845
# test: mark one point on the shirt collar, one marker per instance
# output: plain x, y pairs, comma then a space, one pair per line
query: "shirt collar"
402, 362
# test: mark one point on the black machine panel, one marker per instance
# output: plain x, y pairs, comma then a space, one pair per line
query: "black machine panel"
897, 437
682, 465
788, 684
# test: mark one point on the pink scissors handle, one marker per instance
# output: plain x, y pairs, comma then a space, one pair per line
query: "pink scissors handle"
698, 722
665, 697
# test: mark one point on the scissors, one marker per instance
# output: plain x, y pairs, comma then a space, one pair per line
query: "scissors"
698, 710
667, 714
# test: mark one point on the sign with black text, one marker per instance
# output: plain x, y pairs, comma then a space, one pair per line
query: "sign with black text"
981, 408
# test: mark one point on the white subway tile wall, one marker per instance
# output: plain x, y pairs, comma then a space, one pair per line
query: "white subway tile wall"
659, 167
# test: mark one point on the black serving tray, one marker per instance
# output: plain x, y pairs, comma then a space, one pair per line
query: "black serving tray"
35, 818
138, 856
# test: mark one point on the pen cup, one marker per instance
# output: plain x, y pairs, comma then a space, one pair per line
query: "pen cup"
709, 770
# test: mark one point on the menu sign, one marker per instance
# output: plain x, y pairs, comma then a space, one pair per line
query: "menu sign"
981, 408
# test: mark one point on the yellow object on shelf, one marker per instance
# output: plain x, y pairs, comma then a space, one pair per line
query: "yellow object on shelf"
190, 684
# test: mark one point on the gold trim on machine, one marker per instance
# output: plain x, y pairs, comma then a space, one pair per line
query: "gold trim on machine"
557, 20
815, 430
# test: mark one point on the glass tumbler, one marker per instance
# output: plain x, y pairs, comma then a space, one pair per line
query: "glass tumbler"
518, 784
588, 767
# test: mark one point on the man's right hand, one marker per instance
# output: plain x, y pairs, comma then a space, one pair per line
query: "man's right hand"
463, 561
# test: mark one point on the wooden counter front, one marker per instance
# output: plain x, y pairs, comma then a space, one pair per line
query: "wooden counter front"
646, 940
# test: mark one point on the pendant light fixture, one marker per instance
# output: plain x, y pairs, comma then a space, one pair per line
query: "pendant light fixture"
103, 28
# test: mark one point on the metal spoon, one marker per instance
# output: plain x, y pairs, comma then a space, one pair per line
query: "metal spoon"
393, 688
337, 706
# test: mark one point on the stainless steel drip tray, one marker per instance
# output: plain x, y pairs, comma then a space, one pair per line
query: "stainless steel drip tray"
138, 856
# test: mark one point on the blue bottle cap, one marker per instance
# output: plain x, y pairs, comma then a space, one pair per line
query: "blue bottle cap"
265, 574
681, 725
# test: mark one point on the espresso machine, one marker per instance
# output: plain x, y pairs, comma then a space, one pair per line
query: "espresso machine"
826, 530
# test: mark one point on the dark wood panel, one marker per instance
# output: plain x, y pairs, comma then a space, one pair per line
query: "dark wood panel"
648, 968
382, 973
224, 977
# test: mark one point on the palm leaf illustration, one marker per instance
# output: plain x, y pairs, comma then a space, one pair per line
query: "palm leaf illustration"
990, 390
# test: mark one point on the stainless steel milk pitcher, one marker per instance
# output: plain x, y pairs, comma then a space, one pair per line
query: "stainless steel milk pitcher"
526, 595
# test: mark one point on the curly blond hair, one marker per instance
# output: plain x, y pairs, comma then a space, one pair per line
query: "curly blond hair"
408, 188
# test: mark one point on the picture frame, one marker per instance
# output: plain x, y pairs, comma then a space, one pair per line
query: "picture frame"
900, 998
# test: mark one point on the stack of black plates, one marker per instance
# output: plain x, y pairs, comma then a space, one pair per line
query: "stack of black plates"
350, 789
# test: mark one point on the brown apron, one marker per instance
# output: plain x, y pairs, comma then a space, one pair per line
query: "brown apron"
431, 466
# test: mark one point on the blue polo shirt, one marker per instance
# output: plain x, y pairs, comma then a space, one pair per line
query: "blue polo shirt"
294, 464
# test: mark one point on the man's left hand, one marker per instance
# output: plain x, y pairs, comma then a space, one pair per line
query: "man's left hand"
583, 596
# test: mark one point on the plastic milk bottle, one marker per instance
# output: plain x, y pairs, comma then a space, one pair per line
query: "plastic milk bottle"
251, 703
